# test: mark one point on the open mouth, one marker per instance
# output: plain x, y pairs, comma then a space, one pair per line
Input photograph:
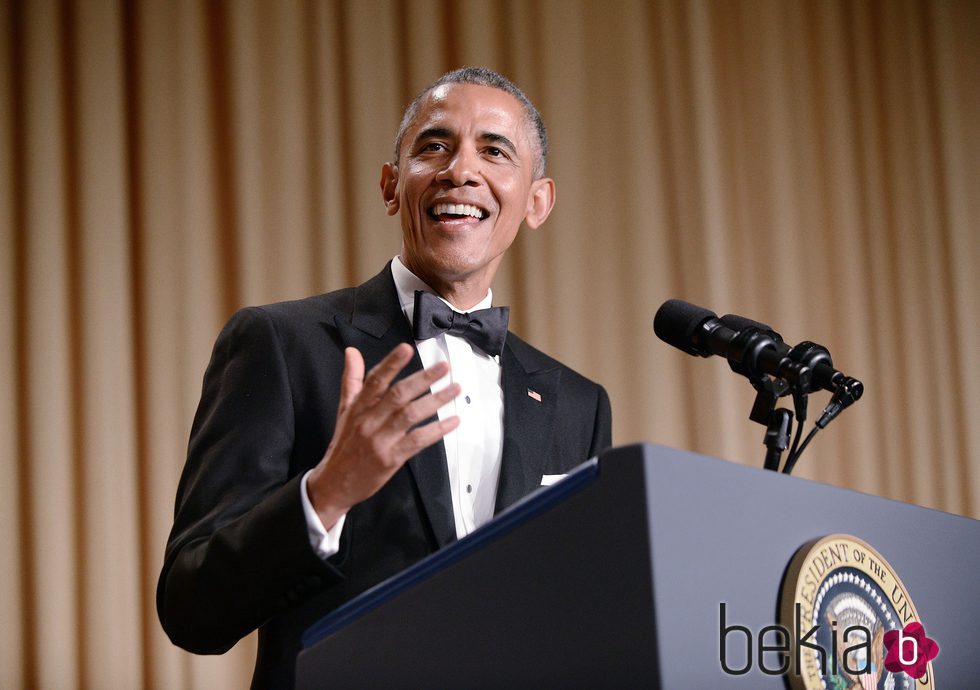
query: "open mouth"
446, 213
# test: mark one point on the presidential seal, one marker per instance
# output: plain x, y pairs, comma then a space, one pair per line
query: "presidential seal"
844, 608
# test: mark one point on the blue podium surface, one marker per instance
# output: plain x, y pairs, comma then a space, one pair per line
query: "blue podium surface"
615, 577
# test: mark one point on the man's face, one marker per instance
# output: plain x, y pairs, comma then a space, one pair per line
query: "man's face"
463, 185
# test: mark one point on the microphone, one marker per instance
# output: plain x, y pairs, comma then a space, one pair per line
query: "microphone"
750, 351
700, 332
755, 350
815, 356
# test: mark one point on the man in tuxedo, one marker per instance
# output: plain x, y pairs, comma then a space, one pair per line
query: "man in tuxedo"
343, 437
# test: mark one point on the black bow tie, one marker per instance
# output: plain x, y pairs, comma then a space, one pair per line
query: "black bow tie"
484, 328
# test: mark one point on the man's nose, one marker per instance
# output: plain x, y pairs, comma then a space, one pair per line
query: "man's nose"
462, 169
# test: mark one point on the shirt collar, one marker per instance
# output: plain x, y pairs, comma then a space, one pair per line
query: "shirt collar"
406, 283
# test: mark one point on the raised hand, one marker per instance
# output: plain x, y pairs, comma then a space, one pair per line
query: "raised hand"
376, 430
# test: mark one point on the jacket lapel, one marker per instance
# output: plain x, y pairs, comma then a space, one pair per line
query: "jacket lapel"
530, 397
375, 326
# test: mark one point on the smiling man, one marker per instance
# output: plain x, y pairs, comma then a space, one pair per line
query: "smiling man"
468, 171
308, 480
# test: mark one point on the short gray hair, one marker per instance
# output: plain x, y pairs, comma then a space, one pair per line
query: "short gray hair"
481, 76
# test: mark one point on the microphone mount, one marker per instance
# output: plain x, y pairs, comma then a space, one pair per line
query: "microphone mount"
774, 369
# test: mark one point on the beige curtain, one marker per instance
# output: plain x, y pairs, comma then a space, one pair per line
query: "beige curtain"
810, 164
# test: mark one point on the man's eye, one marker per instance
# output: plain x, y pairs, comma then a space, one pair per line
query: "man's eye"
494, 151
433, 146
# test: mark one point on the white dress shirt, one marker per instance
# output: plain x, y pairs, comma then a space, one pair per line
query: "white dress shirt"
474, 449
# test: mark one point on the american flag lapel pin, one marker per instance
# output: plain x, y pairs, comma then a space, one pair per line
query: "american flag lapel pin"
534, 395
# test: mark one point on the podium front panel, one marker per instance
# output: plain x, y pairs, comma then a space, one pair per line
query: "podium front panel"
615, 577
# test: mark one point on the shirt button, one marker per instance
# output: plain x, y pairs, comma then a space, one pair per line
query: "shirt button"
469, 488
468, 401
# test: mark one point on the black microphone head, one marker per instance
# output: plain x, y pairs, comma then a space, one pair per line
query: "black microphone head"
741, 323
676, 323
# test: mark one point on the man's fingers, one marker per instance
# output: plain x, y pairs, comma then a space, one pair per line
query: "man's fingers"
405, 417
378, 384
423, 437
411, 387
353, 377
384, 372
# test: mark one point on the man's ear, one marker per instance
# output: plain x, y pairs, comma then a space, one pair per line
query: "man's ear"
540, 202
389, 188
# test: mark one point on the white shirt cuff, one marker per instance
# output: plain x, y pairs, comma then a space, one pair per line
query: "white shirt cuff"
325, 542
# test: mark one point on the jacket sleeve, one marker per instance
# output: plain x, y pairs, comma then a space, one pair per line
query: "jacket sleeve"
239, 551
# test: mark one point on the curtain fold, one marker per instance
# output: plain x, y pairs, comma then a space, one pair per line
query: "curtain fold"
808, 164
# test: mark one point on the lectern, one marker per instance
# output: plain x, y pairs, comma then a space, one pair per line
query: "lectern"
616, 576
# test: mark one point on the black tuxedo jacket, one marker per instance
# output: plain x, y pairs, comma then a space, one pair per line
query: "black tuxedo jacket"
239, 557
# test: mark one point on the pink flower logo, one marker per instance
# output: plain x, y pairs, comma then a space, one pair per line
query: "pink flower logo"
909, 650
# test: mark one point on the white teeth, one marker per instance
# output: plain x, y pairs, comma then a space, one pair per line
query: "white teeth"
457, 210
